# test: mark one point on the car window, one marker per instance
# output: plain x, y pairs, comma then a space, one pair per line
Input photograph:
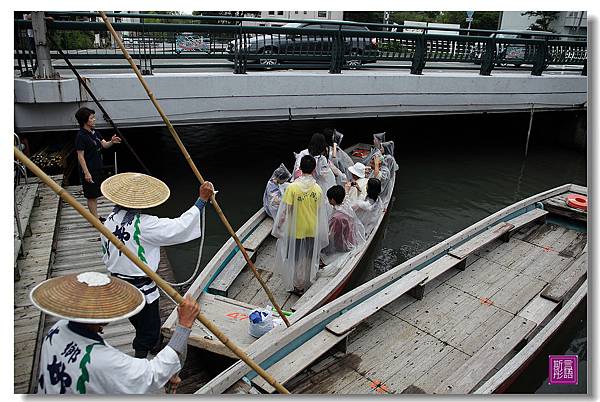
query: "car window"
329, 26
292, 25
355, 27
313, 26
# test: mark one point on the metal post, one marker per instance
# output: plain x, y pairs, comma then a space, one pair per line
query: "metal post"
489, 57
418, 61
529, 129
42, 51
541, 55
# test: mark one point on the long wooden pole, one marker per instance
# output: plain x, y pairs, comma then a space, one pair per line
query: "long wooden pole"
164, 285
188, 158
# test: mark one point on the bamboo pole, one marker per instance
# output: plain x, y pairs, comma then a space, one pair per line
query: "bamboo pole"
164, 285
188, 158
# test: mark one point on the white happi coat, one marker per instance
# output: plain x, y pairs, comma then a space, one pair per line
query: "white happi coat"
71, 363
144, 235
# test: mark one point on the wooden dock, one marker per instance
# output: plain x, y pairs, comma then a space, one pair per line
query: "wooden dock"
62, 242
469, 322
33, 268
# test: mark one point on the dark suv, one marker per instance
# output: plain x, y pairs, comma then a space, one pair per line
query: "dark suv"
272, 49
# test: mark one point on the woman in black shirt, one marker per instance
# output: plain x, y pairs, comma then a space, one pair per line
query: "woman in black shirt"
89, 144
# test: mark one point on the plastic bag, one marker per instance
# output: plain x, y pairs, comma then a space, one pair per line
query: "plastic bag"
261, 322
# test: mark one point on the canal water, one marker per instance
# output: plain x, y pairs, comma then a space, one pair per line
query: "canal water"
454, 171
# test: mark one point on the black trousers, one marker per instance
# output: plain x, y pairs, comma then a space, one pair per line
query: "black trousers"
147, 329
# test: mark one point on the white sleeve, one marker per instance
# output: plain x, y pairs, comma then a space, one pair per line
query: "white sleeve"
124, 374
167, 231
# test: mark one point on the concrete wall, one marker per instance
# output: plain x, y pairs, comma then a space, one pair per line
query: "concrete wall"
199, 98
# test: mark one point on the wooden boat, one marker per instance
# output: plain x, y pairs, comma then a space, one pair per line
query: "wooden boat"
464, 316
228, 291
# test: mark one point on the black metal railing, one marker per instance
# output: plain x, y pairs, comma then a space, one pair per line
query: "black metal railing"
180, 41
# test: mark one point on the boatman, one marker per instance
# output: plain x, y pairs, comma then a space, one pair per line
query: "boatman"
75, 359
144, 234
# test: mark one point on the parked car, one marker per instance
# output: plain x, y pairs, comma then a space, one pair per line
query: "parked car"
515, 53
191, 43
271, 47
511, 53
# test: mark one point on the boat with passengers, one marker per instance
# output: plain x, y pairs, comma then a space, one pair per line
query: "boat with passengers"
228, 292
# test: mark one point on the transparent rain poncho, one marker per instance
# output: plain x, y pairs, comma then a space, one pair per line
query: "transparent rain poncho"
389, 162
324, 171
342, 161
274, 190
301, 228
385, 175
378, 139
346, 232
368, 211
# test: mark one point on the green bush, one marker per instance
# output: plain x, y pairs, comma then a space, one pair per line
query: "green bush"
74, 40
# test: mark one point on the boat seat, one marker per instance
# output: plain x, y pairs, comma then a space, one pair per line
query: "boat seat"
466, 377
230, 272
364, 310
470, 246
568, 280
302, 357
534, 215
432, 271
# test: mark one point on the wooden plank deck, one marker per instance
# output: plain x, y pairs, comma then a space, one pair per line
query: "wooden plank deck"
465, 327
33, 267
558, 205
25, 198
228, 275
76, 249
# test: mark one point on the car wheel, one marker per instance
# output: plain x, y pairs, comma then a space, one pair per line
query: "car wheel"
267, 61
354, 60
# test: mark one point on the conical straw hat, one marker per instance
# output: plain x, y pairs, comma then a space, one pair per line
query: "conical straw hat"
135, 190
88, 297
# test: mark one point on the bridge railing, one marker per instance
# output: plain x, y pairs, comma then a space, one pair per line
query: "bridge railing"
179, 41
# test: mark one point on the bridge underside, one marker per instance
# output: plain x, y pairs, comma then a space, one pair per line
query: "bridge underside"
202, 98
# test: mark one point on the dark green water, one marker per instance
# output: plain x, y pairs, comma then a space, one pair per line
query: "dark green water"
454, 171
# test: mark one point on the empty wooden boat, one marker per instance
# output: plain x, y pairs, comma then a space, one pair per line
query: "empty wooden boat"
464, 316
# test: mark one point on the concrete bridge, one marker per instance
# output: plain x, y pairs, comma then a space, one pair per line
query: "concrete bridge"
220, 97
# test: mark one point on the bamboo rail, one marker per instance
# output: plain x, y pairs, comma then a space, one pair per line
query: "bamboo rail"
188, 158
147, 270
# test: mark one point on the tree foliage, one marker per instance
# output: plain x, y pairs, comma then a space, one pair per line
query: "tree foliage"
543, 21
481, 19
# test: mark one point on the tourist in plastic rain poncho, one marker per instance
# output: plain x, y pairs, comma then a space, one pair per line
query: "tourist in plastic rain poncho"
325, 171
75, 358
371, 208
391, 165
301, 228
346, 231
275, 188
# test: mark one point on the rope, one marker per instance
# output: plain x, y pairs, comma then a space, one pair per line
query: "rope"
193, 276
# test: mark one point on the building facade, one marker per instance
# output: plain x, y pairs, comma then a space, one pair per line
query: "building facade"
297, 15
567, 22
